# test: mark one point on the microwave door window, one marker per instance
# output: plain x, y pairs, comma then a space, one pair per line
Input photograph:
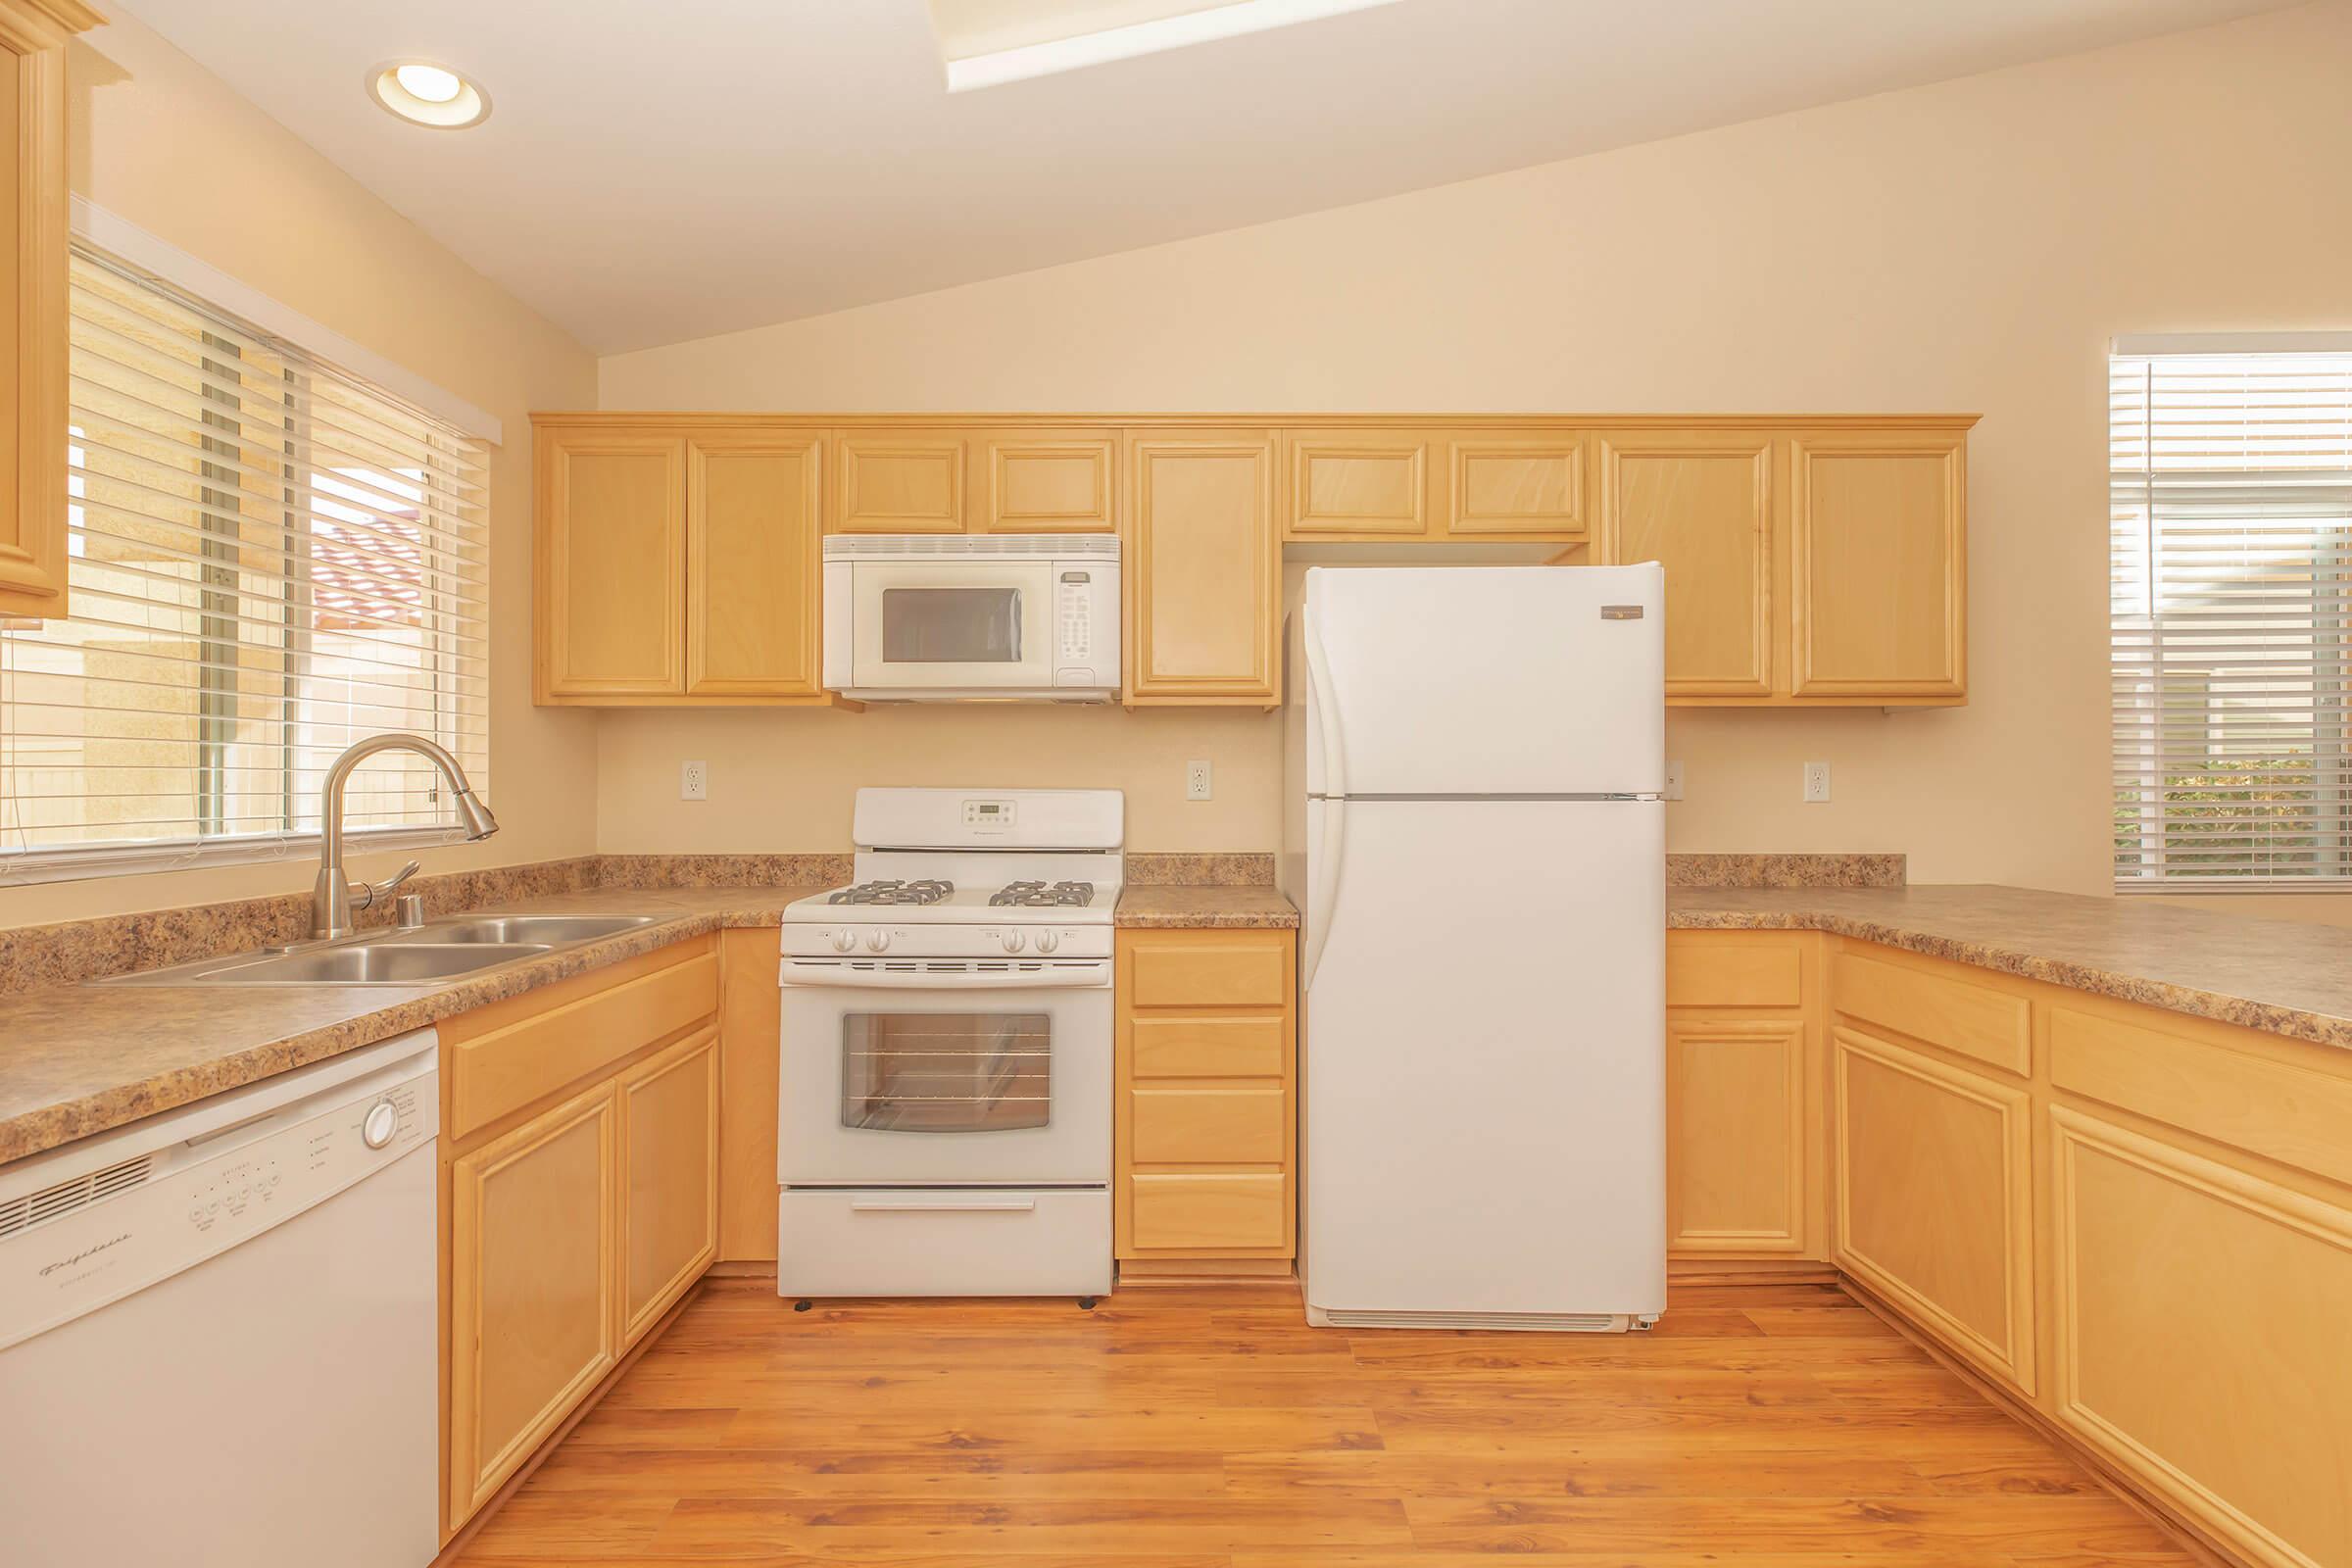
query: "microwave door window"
945, 1072
950, 626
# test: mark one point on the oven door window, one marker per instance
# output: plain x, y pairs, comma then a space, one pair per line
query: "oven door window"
950, 626
945, 1072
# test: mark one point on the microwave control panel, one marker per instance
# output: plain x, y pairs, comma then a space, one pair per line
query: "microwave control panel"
1074, 611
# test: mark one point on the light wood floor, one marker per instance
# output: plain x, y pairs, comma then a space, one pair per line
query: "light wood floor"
1770, 1426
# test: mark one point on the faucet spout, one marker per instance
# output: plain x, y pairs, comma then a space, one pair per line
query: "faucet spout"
332, 896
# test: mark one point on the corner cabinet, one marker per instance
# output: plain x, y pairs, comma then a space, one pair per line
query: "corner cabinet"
1202, 569
33, 398
677, 566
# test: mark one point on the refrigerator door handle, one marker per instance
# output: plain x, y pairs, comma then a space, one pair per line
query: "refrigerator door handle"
1326, 706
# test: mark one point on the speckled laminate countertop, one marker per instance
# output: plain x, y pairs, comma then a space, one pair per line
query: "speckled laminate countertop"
79, 1060
2285, 977
1226, 905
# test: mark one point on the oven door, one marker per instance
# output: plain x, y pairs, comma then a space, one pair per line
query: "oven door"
966, 626
944, 1073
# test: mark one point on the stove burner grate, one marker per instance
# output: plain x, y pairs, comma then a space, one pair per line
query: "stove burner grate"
896, 890
1038, 895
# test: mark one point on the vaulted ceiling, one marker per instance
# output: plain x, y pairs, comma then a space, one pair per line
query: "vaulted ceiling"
653, 173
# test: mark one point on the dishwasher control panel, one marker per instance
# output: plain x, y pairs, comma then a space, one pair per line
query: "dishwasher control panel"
107, 1230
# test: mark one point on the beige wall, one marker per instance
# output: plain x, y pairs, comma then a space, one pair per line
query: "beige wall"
162, 143
1966, 246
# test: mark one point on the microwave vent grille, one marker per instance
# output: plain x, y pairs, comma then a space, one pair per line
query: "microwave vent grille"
970, 547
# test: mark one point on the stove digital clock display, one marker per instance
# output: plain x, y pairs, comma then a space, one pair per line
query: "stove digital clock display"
987, 813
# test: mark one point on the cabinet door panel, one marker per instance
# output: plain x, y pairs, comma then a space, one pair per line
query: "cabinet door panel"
670, 1178
1935, 1184
2201, 1337
1357, 484
1878, 566
1736, 1107
1221, 1214
534, 1301
1516, 486
902, 483
753, 512
1042, 483
33, 244
1202, 570
1701, 504
614, 559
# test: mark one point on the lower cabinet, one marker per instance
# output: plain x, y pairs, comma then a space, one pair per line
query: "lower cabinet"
534, 1295
1934, 1193
581, 1195
1207, 1101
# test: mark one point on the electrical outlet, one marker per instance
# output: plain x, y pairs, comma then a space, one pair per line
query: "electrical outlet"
1817, 783
694, 781
1673, 781
1197, 780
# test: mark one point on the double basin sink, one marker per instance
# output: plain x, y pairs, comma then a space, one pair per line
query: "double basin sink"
441, 950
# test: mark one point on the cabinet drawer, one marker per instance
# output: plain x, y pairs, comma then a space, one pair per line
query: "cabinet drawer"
1208, 1126
1763, 971
1195, 1047
511, 1065
1210, 970
1992, 1026
2296, 1115
1212, 1213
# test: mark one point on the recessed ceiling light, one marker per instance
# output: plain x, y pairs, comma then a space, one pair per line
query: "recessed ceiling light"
426, 94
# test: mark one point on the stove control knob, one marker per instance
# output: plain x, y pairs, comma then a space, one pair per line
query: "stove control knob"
877, 940
843, 941
1047, 940
1014, 941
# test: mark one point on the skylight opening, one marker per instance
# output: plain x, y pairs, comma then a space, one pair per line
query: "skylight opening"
986, 44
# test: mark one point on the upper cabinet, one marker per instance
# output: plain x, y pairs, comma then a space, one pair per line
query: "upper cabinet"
917, 481
33, 398
1378, 484
1807, 565
1810, 561
677, 566
1202, 570
1878, 546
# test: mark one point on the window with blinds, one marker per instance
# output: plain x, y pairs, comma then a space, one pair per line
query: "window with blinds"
2232, 552
268, 561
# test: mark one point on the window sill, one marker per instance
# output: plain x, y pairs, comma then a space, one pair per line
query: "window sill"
74, 864
2236, 889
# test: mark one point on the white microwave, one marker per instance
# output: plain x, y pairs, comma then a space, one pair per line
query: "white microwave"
947, 618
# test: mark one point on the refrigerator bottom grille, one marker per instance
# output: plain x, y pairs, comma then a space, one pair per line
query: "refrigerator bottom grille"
1526, 1322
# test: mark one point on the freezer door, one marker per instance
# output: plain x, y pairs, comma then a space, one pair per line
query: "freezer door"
1485, 1074
1485, 680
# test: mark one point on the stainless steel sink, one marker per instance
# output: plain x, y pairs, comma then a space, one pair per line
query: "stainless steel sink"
343, 963
507, 928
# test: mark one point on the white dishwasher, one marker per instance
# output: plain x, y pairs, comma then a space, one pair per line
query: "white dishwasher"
218, 1329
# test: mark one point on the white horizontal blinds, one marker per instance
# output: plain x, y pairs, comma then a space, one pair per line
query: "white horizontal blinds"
268, 561
2232, 619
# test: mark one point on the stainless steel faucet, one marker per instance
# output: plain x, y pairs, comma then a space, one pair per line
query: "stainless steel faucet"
335, 898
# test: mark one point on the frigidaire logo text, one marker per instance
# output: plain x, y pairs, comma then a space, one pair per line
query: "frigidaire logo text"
91, 1250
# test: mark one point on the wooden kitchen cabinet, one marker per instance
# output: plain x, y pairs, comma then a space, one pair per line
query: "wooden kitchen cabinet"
1045, 481
1934, 1195
579, 1189
1369, 485
1878, 551
678, 563
1202, 573
1701, 504
1377, 484
1744, 1119
899, 481
1204, 1130
33, 245
534, 1296
1515, 485
754, 521
669, 1178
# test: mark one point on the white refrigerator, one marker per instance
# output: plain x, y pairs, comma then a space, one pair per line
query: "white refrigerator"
1482, 964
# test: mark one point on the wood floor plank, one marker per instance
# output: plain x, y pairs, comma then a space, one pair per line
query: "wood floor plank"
1778, 1425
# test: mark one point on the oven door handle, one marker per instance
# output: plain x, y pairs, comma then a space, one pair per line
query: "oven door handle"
839, 975
996, 1206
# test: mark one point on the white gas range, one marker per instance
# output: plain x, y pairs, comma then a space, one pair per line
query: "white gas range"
944, 1107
